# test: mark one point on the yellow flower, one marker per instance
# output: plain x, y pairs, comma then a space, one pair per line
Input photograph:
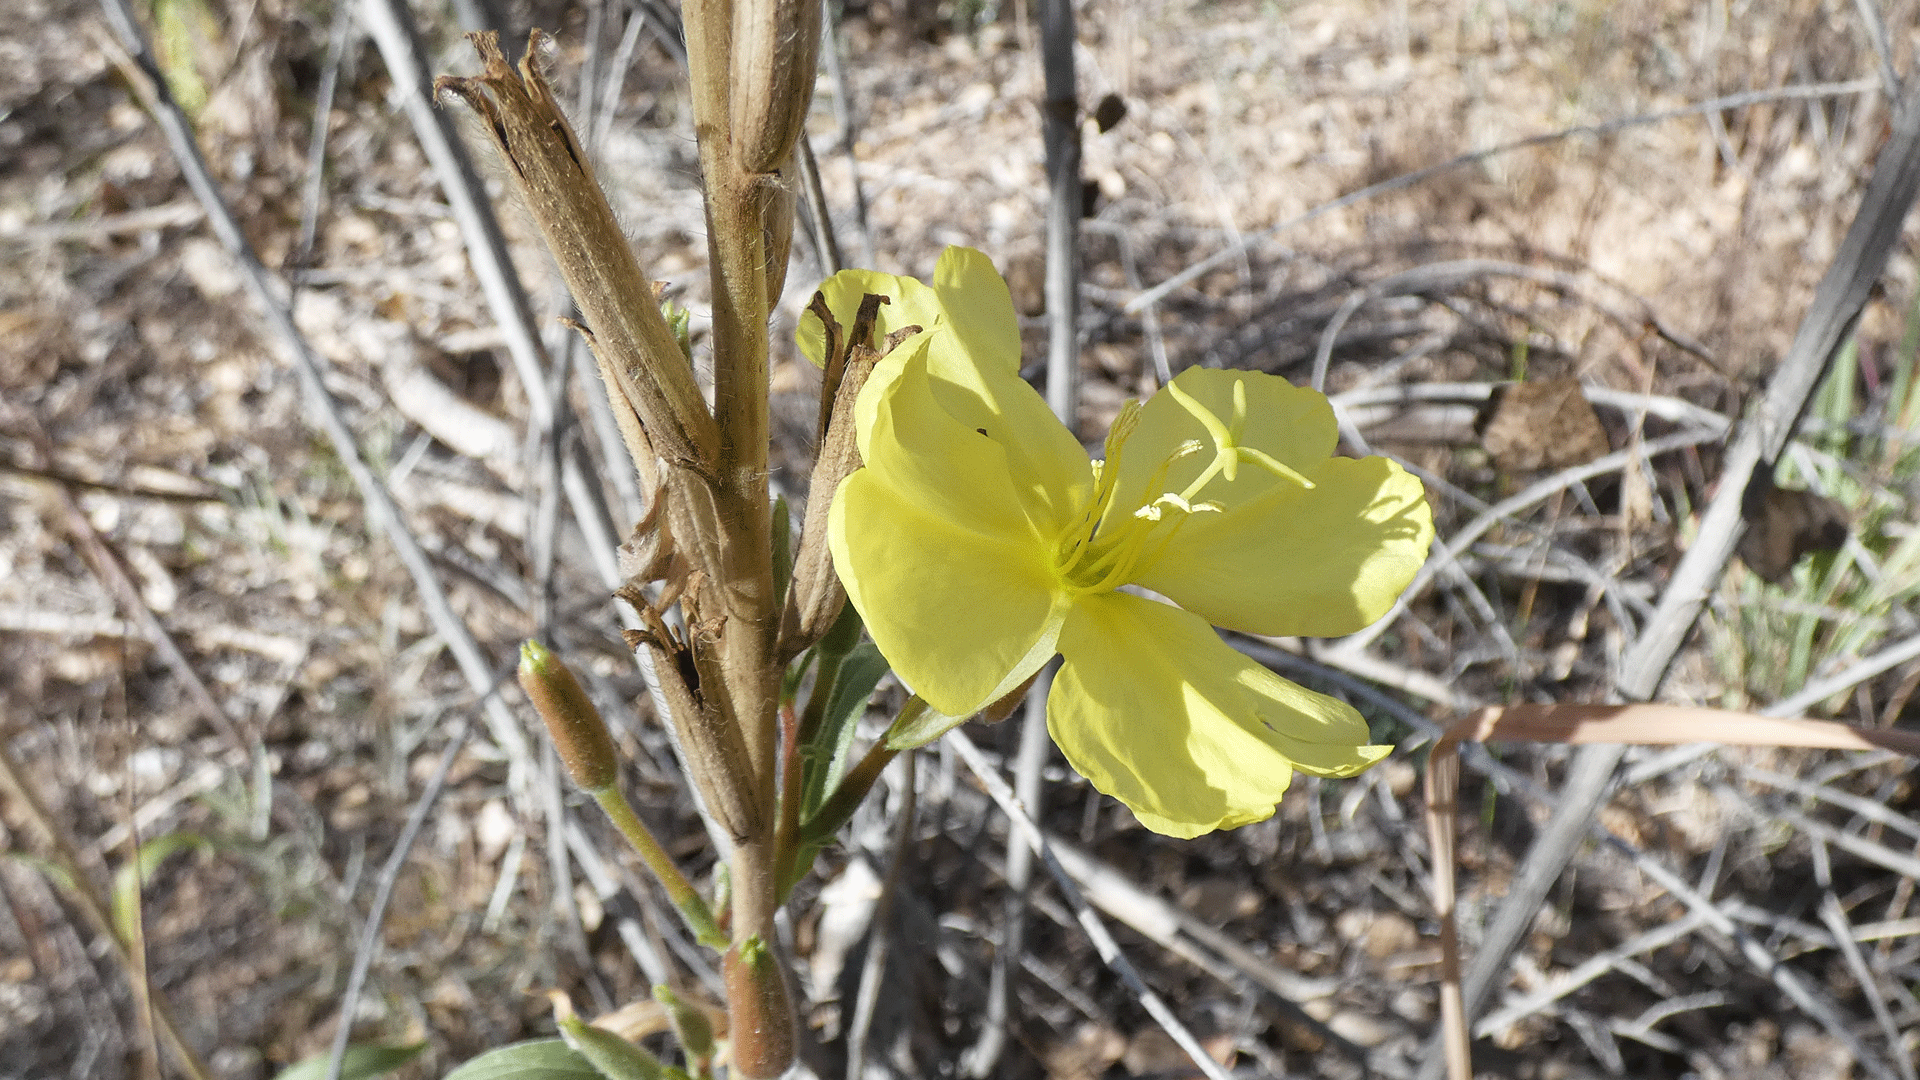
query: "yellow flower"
979, 539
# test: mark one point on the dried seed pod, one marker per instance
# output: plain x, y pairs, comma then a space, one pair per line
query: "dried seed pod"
776, 50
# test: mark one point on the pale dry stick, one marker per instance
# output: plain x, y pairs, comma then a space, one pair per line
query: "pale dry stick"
848, 134
1406, 180
1873, 811
1089, 921
880, 941
1842, 681
1805, 995
981, 1058
616, 80
106, 565
391, 25
379, 504
819, 223
1559, 986
95, 912
313, 192
1842, 292
1431, 342
1876, 30
1150, 315
1835, 918
369, 944
1422, 280
172, 215
1878, 854
1671, 409
1532, 494
1204, 946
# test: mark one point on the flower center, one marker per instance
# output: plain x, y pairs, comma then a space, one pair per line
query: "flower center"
1106, 550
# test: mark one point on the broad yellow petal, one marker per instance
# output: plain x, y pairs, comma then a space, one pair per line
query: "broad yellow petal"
962, 616
1316, 562
1292, 424
1155, 710
930, 406
911, 303
980, 310
954, 469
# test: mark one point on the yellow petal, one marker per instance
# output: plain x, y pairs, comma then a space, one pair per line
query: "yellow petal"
935, 412
962, 616
980, 310
954, 468
1292, 424
911, 304
1316, 563
1155, 710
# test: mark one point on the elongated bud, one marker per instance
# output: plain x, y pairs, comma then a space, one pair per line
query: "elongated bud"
578, 733
759, 1013
690, 1024
776, 50
613, 1056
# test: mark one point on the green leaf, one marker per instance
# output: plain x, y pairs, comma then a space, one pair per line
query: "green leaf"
541, 1059
859, 672
358, 1063
615, 1057
128, 880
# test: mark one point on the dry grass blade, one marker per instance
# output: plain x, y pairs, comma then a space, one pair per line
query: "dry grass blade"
1646, 724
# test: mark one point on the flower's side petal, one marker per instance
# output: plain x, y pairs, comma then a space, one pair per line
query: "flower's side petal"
976, 299
920, 414
975, 364
1314, 563
1292, 423
911, 304
963, 617
946, 467
1155, 710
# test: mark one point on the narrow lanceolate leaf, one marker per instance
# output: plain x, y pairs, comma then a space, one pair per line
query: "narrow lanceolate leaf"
358, 1063
615, 1057
130, 878
859, 672
541, 1059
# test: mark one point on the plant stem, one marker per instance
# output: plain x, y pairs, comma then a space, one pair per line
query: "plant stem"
685, 897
